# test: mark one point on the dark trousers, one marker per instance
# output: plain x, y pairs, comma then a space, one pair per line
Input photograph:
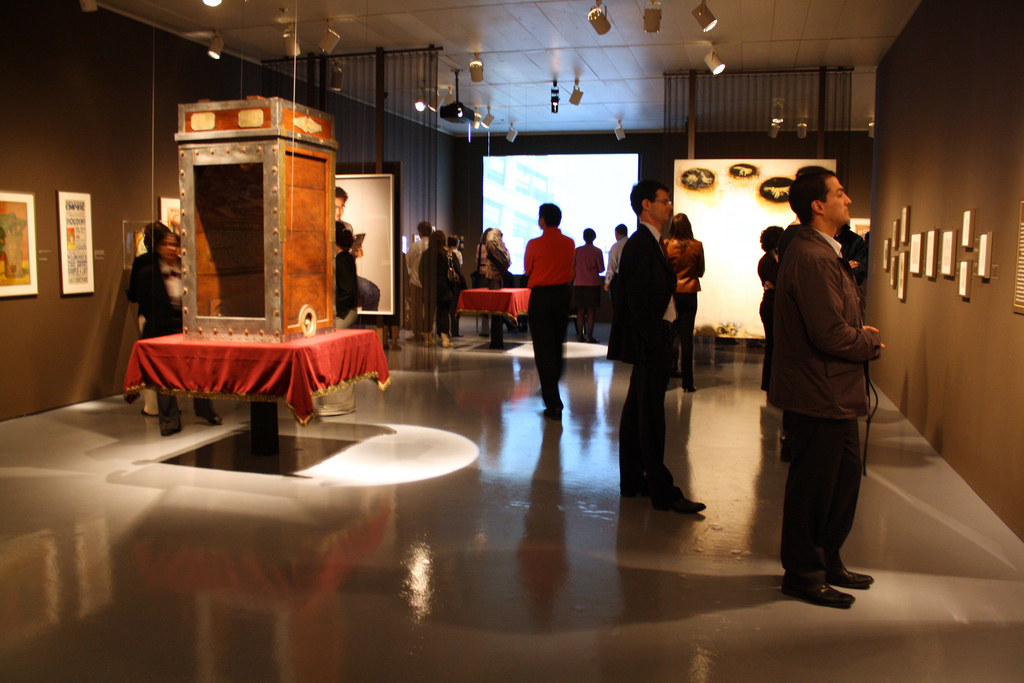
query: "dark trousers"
170, 412
767, 311
497, 322
642, 428
549, 316
821, 494
686, 314
443, 316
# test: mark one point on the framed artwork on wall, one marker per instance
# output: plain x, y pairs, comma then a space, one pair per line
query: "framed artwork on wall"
948, 253
915, 254
18, 274
901, 277
369, 213
964, 280
170, 213
74, 210
896, 233
886, 250
1018, 289
905, 225
985, 255
892, 269
929, 254
967, 232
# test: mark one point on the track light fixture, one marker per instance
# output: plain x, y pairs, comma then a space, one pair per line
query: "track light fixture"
619, 133
577, 94
598, 17
211, 3
291, 42
330, 39
489, 119
336, 74
777, 111
476, 69
801, 130
714, 63
704, 16
652, 17
512, 133
554, 97
476, 120
871, 129
216, 45
773, 130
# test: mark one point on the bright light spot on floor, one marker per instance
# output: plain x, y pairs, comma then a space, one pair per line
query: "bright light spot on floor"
409, 454
572, 350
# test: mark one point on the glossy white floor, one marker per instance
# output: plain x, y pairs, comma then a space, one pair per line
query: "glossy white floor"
513, 560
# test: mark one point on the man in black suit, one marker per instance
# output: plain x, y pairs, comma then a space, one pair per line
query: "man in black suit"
642, 313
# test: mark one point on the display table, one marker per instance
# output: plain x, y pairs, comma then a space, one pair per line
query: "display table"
264, 374
506, 303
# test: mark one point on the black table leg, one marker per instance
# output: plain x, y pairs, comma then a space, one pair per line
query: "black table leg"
497, 331
263, 427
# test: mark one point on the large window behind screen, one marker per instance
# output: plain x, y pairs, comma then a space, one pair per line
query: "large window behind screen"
591, 189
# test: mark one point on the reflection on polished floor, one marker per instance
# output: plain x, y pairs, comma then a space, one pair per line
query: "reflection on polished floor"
458, 536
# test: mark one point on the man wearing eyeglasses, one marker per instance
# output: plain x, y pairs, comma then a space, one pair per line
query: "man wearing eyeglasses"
643, 311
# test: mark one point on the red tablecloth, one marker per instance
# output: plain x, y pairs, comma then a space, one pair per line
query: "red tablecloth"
510, 303
293, 372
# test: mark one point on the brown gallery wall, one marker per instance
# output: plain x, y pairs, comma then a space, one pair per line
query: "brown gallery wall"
950, 114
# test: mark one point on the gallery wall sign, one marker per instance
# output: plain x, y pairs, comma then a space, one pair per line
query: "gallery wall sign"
18, 274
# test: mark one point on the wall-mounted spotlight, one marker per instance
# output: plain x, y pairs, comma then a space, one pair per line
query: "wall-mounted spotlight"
871, 129
512, 133
619, 133
577, 94
476, 120
291, 42
489, 119
652, 17
554, 97
216, 45
801, 130
704, 16
336, 75
211, 3
598, 17
421, 102
773, 130
476, 69
330, 39
714, 63
777, 111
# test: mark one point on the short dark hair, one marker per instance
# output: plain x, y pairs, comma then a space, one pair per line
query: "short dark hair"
341, 194
645, 189
589, 235
809, 187
770, 238
342, 237
424, 228
621, 229
681, 229
551, 214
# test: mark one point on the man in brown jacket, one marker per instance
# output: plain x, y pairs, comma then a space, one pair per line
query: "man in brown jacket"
818, 379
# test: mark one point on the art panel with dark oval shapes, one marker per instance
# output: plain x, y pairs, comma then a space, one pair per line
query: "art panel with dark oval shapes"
698, 179
743, 171
776, 190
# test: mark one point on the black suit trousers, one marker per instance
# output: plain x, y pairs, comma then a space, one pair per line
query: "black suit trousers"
549, 316
642, 428
821, 494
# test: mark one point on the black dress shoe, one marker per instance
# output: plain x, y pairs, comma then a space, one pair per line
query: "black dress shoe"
818, 594
169, 432
844, 578
591, 340
680, 505
689, 390
212, 418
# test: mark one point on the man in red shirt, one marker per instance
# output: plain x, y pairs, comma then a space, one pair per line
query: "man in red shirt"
549, 265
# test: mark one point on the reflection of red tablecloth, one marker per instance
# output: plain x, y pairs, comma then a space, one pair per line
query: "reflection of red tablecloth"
510, 303
292, 372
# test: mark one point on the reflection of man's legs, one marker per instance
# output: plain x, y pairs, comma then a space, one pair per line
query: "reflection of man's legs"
497, 322
821, 494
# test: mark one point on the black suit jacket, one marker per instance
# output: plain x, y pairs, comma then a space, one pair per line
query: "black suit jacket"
640, 292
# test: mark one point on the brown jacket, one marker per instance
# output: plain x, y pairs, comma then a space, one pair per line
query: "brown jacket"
820, 343
687, 260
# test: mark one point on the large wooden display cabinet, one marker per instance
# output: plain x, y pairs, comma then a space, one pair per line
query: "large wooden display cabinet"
257, 219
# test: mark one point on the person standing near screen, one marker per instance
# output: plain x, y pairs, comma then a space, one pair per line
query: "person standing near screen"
549, 268
615, 254
587, 286
643, 311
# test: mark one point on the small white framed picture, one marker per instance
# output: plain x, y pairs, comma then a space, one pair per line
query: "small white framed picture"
985, 255
929, 253
915, 254
964, 280
967, 232
886, 250
901, 277
948, 253
905, 225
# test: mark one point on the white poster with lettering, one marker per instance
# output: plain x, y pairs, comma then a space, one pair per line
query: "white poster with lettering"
75, 211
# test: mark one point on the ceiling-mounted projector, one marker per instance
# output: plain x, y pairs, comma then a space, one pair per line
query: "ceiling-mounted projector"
456, 112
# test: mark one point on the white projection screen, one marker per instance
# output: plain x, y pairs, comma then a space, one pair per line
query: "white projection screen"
729, 202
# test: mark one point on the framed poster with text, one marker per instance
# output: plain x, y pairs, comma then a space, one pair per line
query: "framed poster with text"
74, 211
18, 275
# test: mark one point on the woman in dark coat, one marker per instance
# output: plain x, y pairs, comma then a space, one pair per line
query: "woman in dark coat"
435, 266
768, 271
158, 289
